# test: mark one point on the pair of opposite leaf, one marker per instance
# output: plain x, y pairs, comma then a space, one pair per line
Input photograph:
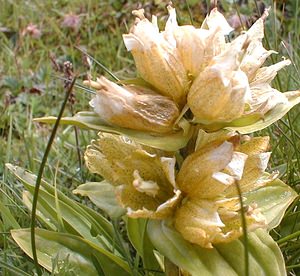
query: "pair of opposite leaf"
219, 82
187, 67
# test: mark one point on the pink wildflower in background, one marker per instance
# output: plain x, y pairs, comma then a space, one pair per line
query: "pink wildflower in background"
32, 30
71, 21
237, 22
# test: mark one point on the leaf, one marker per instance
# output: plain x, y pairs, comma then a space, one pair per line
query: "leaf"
272, 200
78, 219
8, 219
90, 120
42, 213
137, 234
270, 117
240, 122
67, 248
224, 259
102, 194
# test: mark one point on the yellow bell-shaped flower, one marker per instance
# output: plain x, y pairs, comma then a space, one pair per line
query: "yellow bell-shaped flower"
156, 57
220, 92
144, 177
210, 212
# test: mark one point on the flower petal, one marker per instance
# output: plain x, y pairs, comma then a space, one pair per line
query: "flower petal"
133, 107
267, 74
235, 167
254, 58
141, 205
202, 164
204, 138
192, 47
255, 165
157, 59
212, 100
148, 187
220, 92
207, 222
198, 221
216, 20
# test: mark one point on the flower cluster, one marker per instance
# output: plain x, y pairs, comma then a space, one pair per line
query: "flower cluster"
201, 197
184, 68
189, 68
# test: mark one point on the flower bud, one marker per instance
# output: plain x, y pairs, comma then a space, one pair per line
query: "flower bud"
133, 107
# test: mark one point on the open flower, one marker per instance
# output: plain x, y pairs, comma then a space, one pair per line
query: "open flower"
211, 211
71, 21
32, 30
133, 107
144, 177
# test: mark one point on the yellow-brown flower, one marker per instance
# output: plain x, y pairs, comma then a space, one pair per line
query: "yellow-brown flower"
144, 177
156, 57
220, 81
211, 212
133, 107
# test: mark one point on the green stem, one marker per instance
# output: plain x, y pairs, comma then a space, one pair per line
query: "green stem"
293, 266
289, 237
39, 178
245, 232
115, 223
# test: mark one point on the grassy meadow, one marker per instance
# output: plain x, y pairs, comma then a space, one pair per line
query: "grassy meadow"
37, 37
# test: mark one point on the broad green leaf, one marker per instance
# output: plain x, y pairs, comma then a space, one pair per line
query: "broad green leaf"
77, 222
44, 215
102, 194
272, 200
79, 219
90, 120
272, 116
68, 248
137, 234
224, 259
